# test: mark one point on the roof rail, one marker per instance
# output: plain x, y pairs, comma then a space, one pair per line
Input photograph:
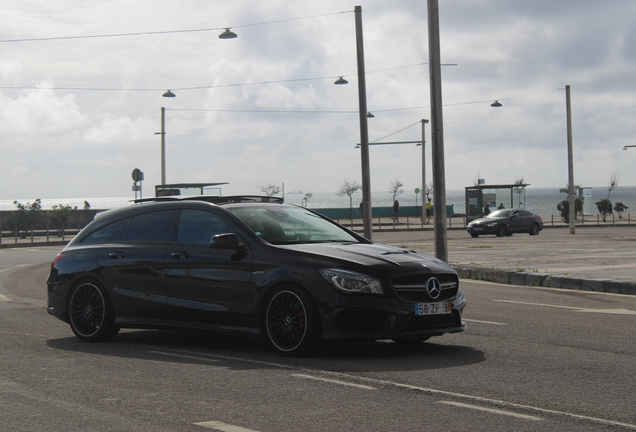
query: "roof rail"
214, 199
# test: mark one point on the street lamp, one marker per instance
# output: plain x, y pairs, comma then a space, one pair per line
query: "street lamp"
364, 128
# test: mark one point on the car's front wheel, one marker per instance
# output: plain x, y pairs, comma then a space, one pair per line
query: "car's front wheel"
291, 322
90, 312
474, 235
501, 230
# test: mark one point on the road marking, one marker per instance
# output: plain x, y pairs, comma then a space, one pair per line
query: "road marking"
201, 356
492, 411
223, 427
184, 356
485, 322
5, 299
13, 267
361, 386
573, 308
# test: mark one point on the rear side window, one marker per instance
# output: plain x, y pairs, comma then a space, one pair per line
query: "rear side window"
150, 226
197, 226
102, 235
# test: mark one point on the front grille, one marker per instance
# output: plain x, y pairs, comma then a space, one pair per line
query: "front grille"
412, 288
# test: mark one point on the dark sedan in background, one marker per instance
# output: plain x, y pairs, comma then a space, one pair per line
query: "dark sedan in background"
506, 222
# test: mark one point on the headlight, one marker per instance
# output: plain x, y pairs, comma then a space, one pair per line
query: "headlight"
350, 282
492, 224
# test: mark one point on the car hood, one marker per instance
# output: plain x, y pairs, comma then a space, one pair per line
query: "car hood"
373, 254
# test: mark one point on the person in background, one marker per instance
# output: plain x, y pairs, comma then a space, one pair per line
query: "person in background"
429, 210
501, 206
396, 209
486, 210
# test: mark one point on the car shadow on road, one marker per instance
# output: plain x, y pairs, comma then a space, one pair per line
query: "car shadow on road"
250, 353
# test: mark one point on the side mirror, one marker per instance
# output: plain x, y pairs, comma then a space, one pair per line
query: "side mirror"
226, 241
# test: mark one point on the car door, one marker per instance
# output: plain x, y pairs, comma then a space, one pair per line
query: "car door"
133, 264
526, 221
515, 224
205, 285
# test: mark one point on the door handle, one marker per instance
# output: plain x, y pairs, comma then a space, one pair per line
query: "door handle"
180, 255
116, 255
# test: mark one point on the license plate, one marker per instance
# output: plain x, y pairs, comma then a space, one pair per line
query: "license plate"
432, 308
478, 229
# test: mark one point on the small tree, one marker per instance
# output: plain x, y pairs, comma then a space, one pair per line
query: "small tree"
306, 199
349, 188
619, 208
270, 189
59, 217
564, 209
613, 183
604, 207
396, 188
25, 217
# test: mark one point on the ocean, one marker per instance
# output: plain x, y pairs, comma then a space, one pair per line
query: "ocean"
542, 201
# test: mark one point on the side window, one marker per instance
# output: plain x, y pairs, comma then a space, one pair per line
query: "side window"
101, 235
149, 226
525, 214
197, 226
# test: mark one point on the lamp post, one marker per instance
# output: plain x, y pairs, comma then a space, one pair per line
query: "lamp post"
424, 121
364, 129
163, 145
572, 209
437, 132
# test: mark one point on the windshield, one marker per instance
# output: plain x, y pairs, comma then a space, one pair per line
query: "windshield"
290, 225
498, 214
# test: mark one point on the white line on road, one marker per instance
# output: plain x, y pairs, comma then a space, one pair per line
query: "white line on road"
427, 390
491, 411
361, 386
4, 298
223, 427
485, 322
573, 308
184, 356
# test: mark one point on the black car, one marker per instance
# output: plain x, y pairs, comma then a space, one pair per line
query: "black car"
506, 222
247, 264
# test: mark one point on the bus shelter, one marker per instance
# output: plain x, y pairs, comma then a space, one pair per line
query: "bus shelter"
493, 196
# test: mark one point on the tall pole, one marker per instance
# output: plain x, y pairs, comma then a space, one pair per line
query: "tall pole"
163, 146
424, 121
364, 131
437, 133
572, 209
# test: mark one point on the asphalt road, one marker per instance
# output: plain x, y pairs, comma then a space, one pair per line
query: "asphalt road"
532, 359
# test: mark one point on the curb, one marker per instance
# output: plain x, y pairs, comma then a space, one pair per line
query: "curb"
546, 280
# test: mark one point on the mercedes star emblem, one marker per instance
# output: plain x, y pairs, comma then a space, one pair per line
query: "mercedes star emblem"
434, 288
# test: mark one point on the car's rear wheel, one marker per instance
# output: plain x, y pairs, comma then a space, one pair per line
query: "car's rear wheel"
535, 229
501, 230
90, 312
291, 322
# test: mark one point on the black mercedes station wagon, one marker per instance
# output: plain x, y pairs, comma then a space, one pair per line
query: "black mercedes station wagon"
247, 264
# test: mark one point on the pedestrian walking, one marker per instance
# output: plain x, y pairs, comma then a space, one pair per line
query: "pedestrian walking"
396, 209
429, 210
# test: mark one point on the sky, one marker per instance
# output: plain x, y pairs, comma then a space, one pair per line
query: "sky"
78, 114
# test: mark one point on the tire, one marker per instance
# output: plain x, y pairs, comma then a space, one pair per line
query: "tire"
90, 312
535, 229
501, 230
473, 235
291, 322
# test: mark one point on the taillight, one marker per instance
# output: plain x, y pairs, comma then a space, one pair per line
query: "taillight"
56, 259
